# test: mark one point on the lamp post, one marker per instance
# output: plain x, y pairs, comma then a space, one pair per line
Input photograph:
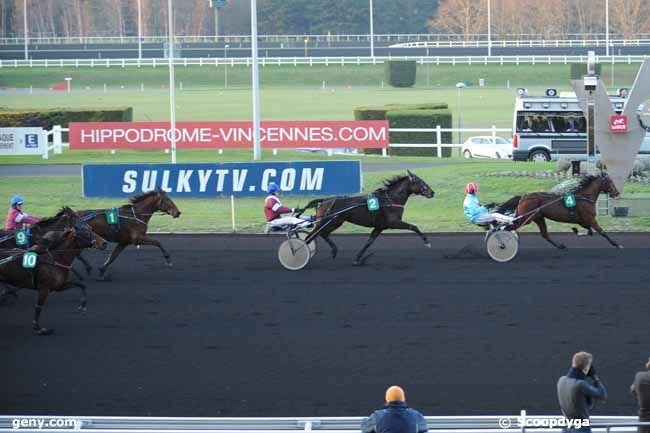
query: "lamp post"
607, 27
25, 29
372, 32
257, 147
459, 110
225, 67
489, 29
139, 29
172, 85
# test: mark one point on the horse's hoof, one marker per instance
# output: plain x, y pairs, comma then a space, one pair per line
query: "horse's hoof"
428, 245
82, 309
619, 246
362, 261
357, 263
44, 331
169, 264
561, 247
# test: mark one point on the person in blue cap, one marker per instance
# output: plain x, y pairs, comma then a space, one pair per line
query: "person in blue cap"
16, 217
274, 209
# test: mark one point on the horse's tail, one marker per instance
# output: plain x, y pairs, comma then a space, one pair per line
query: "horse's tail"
311, 205
509, 206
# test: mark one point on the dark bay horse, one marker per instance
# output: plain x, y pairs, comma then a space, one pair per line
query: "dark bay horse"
538, 206
331, 212
133, 223
55, 253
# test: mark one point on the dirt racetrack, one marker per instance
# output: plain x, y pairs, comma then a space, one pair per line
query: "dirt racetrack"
227, 332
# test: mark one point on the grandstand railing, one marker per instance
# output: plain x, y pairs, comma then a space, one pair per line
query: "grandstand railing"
437, 424
509, 40
330, 60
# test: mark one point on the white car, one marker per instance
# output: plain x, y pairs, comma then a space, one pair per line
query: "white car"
487, 146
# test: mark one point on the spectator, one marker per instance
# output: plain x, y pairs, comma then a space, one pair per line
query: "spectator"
396, 417
641, 390
578, 390
547, 124
571, 125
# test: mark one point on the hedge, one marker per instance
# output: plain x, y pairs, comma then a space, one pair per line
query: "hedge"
380, 113
400, 73
579, 70
419, 119
48, 118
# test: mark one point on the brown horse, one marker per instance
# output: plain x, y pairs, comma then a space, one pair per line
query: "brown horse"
333, 212
132, 225
56, 252
538, 206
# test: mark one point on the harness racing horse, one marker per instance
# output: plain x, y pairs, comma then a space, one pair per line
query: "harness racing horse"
132, 224
538, 206
50, 272
332, 212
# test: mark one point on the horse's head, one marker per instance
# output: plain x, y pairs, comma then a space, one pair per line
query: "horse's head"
83, 234
418, 186
166, 204
607, 186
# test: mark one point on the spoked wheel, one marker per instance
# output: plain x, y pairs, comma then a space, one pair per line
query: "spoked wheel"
502, 245
311, 245
294, 254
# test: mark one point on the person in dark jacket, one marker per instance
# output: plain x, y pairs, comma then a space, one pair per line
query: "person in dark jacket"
395, 417
641, 390
578, 391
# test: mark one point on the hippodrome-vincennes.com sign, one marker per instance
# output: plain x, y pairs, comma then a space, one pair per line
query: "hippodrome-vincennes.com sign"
210, 180
224, 135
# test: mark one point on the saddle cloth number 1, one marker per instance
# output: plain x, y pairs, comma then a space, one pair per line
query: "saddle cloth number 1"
29, 260
112, 217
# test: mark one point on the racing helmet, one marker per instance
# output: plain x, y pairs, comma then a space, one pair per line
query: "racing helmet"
16, 200
471, 188
273, 187
395, 393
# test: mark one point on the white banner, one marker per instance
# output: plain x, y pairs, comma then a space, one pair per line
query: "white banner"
22, 141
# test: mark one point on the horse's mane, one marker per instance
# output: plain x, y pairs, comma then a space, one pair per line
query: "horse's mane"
143, 196
393, 181
50, 220
573, 184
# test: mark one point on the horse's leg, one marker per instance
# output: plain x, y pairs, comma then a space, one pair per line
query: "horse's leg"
77, 274
42, 296
325, 233
116, 252
403, 225
88, 268
602, 232
145, 240
360, 260
541, 223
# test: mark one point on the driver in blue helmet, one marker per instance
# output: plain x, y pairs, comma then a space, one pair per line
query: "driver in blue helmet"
273, 209
16, 217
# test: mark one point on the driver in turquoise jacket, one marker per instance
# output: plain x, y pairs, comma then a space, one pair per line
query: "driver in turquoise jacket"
478, 214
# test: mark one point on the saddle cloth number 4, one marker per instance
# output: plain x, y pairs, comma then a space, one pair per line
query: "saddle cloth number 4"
29, 260
569, 200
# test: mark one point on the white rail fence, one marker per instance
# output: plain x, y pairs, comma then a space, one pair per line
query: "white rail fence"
437, 424
58, 144
311, 61
450, 39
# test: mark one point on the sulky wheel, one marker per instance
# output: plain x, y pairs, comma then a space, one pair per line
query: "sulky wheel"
294, 254
502, 245
311, 245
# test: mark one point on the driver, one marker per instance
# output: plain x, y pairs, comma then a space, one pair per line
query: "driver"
273, 209
16, 217
478, 214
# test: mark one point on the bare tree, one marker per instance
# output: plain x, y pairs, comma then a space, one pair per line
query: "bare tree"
628, 17
461, 17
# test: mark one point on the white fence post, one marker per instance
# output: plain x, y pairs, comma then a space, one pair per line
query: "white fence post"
57, 139
438, 141
522, 414
494, 133
46, 149
384, 153
232, 211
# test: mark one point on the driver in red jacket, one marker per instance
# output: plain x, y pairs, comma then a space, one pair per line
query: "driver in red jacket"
273, 209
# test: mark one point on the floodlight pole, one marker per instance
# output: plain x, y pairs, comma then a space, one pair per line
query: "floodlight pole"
172, 85
489, 28
25, 29
257, 148
139, 29
591, 105
372, 31
607, 27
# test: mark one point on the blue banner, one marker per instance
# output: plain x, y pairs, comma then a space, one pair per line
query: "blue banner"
209, 180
